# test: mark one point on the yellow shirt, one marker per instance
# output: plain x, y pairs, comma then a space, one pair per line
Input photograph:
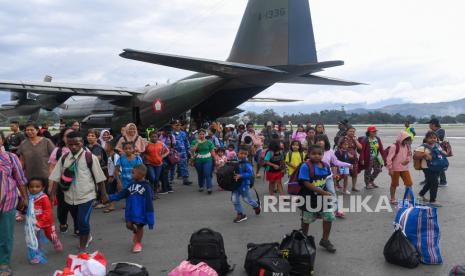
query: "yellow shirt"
294, 159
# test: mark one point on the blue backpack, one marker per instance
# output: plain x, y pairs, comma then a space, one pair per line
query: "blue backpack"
439, 162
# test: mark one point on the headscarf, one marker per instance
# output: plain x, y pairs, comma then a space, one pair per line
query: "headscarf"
103, 142
139, 142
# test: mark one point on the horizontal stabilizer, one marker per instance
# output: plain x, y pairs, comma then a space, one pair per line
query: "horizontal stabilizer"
68, 88
271, 100
303, 69
320, 80
207, 66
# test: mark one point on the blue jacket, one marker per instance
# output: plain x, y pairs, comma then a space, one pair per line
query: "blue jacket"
182, 141
139, 206
246, 172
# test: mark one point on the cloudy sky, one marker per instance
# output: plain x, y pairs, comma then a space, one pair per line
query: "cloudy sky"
409, 51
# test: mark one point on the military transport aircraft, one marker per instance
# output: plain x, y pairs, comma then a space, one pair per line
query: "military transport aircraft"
275, 44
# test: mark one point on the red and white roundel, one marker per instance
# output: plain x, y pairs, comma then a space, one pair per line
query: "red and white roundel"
157, 106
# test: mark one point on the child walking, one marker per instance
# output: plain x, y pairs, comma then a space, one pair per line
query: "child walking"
294, 157
397, 162
274, 167
313, 181
39, 223
111, 185
139, 206
125, 164
427, 152
245, 175
344, 155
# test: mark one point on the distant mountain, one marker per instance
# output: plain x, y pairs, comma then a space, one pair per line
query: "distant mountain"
420, 110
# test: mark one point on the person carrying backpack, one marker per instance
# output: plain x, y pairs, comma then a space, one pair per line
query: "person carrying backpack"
79, 174
244, 175
397, 162
433, 162
294, 157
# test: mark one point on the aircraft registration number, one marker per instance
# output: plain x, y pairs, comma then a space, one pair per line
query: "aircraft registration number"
271, 14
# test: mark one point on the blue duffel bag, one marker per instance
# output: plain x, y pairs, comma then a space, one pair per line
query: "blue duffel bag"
420, 225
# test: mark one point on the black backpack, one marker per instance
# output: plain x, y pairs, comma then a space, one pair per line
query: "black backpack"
265, 260
128, 269
207, 246
300, 251
225, 176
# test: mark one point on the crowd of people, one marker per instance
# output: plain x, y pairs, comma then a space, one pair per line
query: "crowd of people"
80, 171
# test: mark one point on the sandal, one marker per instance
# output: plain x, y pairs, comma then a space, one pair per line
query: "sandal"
369, 187
355, 190
6, 271
108, 210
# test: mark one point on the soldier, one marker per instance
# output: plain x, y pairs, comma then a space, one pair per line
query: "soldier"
182, 147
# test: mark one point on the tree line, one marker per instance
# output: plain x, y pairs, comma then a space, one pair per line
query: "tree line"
335, 116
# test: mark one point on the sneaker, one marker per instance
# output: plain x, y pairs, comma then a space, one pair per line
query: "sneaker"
163, 193
63, 229
35, 261
442, 185
257, 210
340, 214
89, 240
170, 191
326, 244
422, 182
346, 192
99, 206
393, 201
209, 192
187, 182
137, 248
200, 190
240, 218
58, 246
423, 198
369, 187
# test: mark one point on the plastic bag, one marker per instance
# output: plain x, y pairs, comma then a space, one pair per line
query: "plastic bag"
400, 251
85, 264
300, 251
188, 269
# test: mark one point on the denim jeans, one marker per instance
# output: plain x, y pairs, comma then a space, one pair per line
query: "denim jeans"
246, 196
82, 214
204, 174
153, 174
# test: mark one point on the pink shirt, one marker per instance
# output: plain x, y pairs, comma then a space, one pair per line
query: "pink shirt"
53, 160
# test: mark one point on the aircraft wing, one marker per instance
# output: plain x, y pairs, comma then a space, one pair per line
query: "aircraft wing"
271, 100
320, 80
68, 88
207, 66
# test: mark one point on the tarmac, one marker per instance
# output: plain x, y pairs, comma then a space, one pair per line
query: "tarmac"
359, 238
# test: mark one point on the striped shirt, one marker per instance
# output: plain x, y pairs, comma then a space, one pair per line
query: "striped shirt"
11, 177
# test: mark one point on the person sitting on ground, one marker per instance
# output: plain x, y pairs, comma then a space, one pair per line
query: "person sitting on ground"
398, 161
313, 188
139, 206
244, 175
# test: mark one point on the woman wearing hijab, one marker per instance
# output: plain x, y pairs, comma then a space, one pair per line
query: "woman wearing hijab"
131, 135
105, 137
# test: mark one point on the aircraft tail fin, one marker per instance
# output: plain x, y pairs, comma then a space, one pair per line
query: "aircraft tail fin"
275, 32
